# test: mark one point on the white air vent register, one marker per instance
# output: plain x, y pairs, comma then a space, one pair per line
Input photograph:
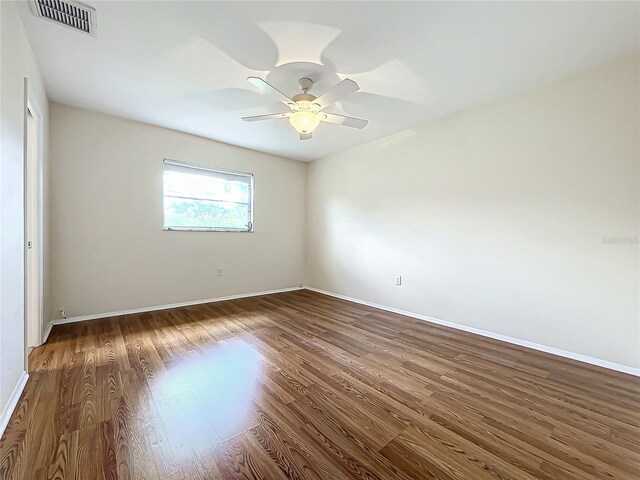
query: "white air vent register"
81, 18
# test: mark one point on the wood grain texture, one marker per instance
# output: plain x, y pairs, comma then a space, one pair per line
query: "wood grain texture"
303, 386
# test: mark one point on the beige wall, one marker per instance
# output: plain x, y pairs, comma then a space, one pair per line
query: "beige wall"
495, 217
109, 252
18, 63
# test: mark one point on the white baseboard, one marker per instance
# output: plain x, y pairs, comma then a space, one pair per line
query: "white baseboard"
94, 316
496, 336
13, 401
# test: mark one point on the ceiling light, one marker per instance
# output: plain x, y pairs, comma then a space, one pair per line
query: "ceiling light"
304, 121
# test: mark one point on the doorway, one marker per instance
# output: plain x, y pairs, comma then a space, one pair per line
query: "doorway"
33, 209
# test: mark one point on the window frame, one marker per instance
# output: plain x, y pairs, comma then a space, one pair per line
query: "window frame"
209, 168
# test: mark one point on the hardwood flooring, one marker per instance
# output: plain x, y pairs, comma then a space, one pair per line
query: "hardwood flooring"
304, 386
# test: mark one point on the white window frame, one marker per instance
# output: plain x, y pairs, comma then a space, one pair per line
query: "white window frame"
207, 168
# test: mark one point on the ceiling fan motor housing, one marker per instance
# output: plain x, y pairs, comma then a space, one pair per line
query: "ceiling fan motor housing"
303, 97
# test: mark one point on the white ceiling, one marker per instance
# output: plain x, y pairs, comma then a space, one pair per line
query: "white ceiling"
183, 65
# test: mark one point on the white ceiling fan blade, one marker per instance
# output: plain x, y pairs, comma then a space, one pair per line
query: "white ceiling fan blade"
268, 88
344, 88
305, 136
343, 120
266, 117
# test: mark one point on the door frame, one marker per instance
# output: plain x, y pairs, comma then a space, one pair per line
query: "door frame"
33, 327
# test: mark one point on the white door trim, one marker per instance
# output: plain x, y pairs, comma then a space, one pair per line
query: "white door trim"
33, 324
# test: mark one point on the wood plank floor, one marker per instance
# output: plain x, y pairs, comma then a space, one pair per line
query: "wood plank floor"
304, 386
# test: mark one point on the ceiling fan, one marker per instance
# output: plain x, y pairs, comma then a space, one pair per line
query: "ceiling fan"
306, 109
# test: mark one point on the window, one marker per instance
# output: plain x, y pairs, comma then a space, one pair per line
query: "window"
206, 199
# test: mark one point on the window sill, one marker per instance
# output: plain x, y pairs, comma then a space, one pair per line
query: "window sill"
194, 229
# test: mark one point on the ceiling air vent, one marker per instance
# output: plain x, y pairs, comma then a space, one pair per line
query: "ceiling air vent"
72, 14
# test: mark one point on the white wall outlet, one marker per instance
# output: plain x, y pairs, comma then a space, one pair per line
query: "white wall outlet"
63, 313
219, 272
398, 280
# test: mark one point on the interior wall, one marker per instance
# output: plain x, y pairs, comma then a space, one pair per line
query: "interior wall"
109, 251
519, 217
18, 63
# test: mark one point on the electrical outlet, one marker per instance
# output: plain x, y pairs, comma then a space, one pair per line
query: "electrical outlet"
398, 280
63, 313
219, 272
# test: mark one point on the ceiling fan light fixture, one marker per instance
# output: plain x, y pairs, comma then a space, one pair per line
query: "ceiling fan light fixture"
306, 109
304, 121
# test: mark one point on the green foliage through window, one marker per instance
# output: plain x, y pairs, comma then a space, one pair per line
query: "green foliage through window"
200, 199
